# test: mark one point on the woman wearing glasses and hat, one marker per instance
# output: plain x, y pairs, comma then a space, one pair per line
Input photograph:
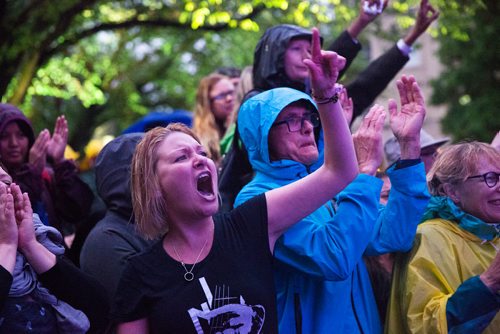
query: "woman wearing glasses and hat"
450, 281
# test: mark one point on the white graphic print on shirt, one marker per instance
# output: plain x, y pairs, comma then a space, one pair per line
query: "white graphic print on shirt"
225, 313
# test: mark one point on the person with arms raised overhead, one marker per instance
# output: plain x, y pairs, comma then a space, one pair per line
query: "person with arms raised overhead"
321, 280
278, 62
208, 272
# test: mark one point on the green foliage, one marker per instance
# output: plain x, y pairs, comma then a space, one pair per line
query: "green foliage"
109, 61
470, 81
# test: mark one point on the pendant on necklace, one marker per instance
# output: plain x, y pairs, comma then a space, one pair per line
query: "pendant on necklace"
189, 276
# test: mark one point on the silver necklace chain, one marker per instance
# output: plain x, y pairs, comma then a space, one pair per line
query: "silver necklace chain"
189, 276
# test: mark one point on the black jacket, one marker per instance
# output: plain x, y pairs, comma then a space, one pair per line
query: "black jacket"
269, 72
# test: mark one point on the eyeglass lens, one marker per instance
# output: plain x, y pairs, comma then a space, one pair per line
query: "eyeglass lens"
223, 95
491, 179
296, 123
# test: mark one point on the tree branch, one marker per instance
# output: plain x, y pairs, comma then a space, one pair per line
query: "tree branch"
135, 22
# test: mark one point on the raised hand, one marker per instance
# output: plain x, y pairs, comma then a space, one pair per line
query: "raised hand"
8, 229
57, 143
324, 67
24, 217
368, 140
407, 123
365, 17
347, 105
425, 16
8, 226
38, 152
366, 9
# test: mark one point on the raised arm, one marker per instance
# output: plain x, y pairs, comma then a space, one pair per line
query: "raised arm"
407, 123
408, 198
71, 197
425, 16
289, 204
346, 44
38, 152
57, 143
368, 11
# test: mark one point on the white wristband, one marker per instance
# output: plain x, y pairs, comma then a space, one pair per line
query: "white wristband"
404, 48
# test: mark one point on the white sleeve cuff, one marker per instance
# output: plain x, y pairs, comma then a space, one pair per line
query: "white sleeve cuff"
404, 48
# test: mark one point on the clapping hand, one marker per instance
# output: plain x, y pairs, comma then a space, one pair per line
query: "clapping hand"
38, 152
57, 143
8, 227
23, 217
368, 140
324, 67
407, 123
347, 105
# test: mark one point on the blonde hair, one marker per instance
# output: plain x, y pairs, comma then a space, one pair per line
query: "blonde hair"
149, 205
204, 123
455, 163
245, 85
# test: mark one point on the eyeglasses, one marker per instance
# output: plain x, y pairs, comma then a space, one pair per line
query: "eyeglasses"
490, 178
297, 123
222, 96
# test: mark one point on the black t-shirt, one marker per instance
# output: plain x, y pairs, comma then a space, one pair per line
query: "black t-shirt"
233, 286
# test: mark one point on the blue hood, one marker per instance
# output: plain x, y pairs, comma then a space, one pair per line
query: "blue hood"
255, 119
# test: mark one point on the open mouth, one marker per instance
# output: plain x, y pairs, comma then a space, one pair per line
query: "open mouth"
204, 184
495, 202
308, 144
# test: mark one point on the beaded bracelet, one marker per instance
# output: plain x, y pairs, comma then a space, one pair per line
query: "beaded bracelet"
333, 99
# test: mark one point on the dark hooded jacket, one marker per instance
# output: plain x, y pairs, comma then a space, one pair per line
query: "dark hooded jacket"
114, 239
269, 72
58, 195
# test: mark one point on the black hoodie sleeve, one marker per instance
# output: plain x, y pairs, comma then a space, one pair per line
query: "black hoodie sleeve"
80, 290
5, 283
375, 78
345, 46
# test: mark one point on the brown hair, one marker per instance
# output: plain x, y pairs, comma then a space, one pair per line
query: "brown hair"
455, 163
150, 208
204, 123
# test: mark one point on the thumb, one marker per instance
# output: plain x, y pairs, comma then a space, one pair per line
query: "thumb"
393, 108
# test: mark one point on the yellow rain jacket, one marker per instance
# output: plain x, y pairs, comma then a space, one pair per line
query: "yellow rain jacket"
443, 257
